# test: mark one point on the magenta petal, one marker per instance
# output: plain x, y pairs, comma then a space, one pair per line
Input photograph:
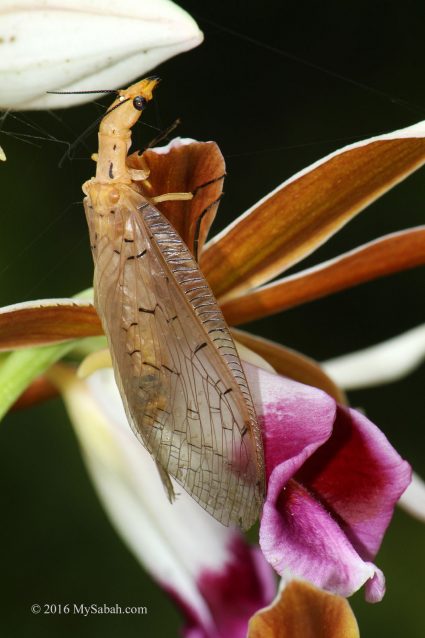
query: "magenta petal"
375, 587
232, 593
359, 477
300, 539
332, 482
296, 419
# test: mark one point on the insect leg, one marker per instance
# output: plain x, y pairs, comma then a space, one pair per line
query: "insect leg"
166, 482
141, 174
167, 197
171, 197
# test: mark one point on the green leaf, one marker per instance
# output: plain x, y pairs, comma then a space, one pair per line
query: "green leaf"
18, 369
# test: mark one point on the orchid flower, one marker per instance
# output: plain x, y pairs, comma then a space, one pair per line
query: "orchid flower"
333, 479
217, 579
117, 42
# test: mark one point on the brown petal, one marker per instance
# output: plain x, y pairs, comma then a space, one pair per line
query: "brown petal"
290, 363
305, 211
40, 390
303, 611
389, 254
37, 323
183, 166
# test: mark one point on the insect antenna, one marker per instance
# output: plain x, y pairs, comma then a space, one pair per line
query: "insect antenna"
81, 92
162, 135
79, 139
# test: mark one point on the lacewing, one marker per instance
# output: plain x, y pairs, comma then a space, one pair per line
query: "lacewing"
180, 378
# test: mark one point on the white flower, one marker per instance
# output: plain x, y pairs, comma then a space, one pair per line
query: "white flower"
77, 45
192, 556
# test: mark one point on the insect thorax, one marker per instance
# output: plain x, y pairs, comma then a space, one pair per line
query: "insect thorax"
107, 207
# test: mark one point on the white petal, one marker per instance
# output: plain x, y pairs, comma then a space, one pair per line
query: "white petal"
176, 543
77, 45
413, 499
382, 363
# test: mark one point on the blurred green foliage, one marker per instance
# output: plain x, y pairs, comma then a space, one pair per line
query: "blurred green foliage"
298, 81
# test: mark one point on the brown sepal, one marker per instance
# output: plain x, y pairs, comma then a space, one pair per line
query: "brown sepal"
44, 322
302, 213
384, 256
183, 168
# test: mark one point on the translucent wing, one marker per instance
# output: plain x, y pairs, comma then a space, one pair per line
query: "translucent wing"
176, 365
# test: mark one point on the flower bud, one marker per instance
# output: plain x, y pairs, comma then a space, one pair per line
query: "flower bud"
77, 45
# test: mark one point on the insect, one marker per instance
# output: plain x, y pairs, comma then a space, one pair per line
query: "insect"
180, 378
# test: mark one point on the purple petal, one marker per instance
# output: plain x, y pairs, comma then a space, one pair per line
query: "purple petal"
296, 418
332, 482
375, 587
358, 477
300, 539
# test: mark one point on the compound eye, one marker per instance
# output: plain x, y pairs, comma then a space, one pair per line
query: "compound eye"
139, 102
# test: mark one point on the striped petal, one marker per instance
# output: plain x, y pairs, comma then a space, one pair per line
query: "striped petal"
384, 256
37, 323
302, 213
185, 166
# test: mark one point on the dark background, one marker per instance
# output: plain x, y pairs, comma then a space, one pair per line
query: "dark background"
277, 85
